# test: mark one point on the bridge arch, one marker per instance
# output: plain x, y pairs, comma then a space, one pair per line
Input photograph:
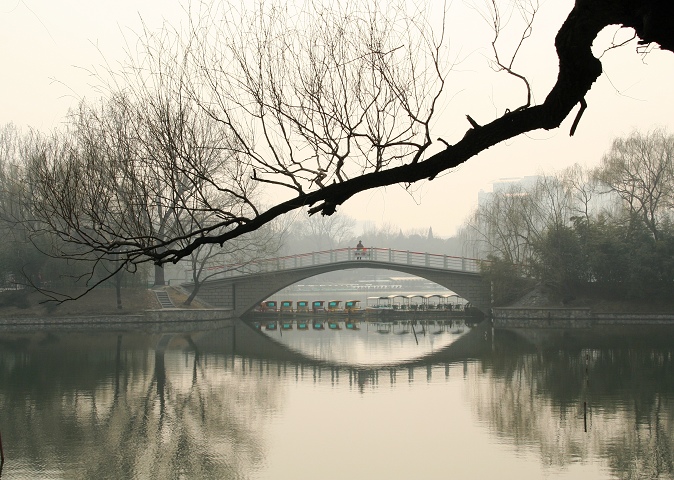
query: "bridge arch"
241, 292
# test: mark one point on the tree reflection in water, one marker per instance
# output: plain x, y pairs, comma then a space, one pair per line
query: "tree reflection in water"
108, 406
536, 399
136, 405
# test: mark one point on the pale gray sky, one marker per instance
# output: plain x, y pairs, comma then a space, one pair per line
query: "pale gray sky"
49, 48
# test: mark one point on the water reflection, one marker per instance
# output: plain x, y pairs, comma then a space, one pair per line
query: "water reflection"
126, 406
233, 402
623, 376
364, 343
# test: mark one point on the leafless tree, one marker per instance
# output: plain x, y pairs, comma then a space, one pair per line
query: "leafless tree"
509, 221
640, 169
320, 102
328, 231
126, 173
506, 224
582, 188
552, 202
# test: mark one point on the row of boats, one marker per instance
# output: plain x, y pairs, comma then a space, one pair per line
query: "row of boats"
307, 307
375, 307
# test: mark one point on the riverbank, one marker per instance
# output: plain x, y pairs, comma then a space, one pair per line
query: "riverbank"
539, 309
21, 309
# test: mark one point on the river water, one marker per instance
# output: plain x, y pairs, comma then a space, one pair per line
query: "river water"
379, 401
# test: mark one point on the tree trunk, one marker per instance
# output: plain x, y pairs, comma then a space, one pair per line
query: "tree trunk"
118, 289
195, 290
159, 276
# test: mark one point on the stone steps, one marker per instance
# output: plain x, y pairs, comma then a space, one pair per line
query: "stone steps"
164, 299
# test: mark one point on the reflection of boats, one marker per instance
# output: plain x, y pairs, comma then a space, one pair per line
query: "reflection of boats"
302, 325
317, 325
351, 325
287, 325
270, 326
383, 327
405, 328
442, 326
333, 325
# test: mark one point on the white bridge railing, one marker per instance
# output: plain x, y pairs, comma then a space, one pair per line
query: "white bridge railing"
351, 254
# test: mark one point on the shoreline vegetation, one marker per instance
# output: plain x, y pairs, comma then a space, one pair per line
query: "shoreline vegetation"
543, 298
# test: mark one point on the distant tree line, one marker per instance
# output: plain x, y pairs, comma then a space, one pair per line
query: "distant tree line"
119, 170
317, 233
347, 103
204, 114
605, 231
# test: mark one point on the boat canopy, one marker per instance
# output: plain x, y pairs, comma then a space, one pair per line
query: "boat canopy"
381, 302
302, 305
334, 304
351, 304
286, 305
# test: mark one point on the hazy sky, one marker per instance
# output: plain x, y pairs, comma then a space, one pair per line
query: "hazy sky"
49, 49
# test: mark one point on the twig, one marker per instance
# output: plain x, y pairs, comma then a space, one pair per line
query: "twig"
583, 106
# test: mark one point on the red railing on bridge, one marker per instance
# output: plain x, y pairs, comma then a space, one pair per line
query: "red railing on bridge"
350, 254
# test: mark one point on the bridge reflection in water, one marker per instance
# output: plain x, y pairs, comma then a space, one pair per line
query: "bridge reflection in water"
187, 399
362, 356
370, 346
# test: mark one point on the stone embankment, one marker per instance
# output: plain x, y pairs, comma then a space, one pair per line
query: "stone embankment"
164, 317
542, 317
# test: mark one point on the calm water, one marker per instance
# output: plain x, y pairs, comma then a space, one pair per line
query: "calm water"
381, 402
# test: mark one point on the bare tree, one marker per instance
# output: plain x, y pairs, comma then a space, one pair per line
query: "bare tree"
640, 169
511, 220
507, 224
552, 202
212, 260
328, 231
320, 102
127, 172
582, 187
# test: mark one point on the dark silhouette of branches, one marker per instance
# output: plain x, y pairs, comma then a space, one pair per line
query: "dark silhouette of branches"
320, 103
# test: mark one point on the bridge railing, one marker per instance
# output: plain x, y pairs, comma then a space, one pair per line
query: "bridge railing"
350, 254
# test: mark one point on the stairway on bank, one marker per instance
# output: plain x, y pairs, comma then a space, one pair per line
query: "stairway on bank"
164, 299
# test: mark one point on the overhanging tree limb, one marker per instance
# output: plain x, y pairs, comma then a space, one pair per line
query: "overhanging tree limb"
339, 92
578, 70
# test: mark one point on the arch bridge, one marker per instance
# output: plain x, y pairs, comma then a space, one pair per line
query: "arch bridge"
242, 287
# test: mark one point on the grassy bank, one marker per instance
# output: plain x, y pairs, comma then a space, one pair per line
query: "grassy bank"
101, 301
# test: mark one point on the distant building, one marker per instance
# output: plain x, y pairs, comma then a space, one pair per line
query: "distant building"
504, 184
